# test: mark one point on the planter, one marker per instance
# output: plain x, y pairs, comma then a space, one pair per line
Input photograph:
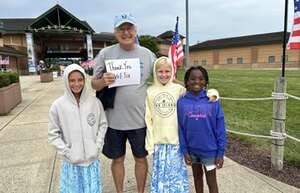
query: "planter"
10, 97
46, 76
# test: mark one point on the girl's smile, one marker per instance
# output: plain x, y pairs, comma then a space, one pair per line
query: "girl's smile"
196, 81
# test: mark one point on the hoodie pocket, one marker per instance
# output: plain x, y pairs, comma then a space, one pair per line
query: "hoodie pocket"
194, 139
76, 153
204, 141
91, 150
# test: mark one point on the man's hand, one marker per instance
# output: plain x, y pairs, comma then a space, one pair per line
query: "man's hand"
108, 78
219, 162
98, 83
188, 159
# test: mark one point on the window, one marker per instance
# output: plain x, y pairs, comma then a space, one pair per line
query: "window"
271, 59
286, 58
239, 61
196, 62
229, 60
203, 62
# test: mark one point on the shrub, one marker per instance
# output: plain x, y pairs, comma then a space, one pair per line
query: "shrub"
55, 67
13, 77
45, 66
7, 78
46, 69
4, 80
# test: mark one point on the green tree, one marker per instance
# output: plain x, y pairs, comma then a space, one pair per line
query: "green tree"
150, 43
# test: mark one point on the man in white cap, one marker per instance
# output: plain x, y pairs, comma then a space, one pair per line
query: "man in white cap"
126, 117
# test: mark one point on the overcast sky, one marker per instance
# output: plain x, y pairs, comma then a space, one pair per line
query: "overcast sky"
209, 19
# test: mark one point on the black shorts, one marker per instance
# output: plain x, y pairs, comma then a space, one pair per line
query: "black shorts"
115, 143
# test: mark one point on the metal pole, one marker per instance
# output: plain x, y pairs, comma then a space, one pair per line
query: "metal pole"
284, 37
187, 53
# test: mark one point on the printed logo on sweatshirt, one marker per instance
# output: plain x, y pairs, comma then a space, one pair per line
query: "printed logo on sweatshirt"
91, 119
164, 104
196, 115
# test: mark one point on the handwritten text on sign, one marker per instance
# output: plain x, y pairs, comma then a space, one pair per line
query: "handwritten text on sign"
126, 71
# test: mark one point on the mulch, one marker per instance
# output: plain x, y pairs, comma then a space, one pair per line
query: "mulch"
260, 160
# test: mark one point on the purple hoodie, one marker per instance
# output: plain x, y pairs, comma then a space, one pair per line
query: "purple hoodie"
201, 126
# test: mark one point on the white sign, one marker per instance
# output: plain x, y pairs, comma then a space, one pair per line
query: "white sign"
126, 71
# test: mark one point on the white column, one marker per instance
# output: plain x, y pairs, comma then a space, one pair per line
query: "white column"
89, 46
30, 53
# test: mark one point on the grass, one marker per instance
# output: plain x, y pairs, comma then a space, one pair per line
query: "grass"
256, 116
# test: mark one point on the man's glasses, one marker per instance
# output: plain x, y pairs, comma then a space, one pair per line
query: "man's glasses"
124, 29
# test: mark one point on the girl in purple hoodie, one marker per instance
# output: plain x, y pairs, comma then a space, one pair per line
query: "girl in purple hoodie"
202, 134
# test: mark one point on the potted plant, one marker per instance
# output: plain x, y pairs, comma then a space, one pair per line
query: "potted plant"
55, 68
10, 92
46, 72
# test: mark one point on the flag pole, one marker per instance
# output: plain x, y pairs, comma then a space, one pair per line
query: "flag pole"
187, 53
284, 37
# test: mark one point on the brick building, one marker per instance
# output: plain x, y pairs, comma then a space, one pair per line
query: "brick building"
56, 34
244, 52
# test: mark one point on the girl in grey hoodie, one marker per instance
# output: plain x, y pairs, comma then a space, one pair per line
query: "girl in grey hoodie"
77, 126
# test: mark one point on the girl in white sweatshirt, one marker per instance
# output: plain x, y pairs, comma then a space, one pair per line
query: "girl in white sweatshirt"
77, 126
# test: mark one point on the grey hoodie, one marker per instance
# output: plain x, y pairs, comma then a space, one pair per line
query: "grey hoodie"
77, 131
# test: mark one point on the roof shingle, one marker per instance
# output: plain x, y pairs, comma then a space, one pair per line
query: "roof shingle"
250, 40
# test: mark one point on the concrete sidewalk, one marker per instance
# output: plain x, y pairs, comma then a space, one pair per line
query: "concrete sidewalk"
28, 164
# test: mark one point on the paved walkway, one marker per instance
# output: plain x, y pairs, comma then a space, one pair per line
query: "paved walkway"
29, 165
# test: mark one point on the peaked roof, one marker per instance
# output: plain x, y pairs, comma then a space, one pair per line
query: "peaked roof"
15, 24
168, 35
59, 18
163, 41
250, 40
56, 18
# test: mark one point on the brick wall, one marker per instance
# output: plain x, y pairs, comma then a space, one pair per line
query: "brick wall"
252, 57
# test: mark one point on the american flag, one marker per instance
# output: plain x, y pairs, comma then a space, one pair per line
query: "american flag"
4, 60
176, 54
294, 41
